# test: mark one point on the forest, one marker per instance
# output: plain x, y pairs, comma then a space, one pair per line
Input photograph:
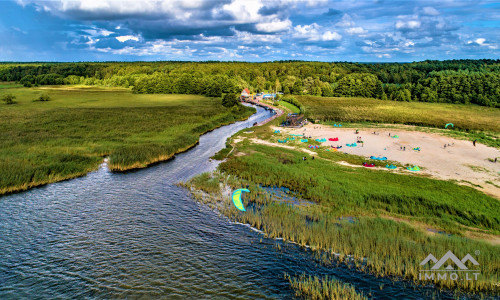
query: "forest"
452, 81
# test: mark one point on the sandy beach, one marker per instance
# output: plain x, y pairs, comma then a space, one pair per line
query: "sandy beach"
461, 160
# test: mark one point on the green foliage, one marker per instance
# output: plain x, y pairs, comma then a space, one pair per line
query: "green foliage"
452, 81
43, 98
357, 85
230, 100
8, 98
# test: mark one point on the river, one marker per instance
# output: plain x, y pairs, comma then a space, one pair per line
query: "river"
137, 234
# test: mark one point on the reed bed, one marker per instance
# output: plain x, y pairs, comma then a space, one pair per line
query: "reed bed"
316, 288
345, 224
67, 137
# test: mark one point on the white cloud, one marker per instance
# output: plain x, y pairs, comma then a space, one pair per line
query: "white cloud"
346, 21
244, 10
412, 24
480, 41
274, 26
356, 30
430, 11
125, 38
331, 36
313, 32
98, 32
247, 37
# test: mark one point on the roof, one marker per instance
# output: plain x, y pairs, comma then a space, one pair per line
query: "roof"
245, 91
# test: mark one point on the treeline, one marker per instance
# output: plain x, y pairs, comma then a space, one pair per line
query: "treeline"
452, 81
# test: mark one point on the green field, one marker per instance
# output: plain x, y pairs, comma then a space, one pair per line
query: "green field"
464, 117
353, 212
42, 142
7, 85
294, 109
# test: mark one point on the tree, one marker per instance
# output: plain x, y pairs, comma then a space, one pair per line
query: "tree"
230, 100
8, 98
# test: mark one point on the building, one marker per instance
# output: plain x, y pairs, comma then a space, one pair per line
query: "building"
245, 95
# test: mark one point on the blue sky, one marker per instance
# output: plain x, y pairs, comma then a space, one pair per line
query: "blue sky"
248, 30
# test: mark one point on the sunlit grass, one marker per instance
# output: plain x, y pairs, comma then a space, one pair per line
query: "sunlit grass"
42, 142
464, 117
348, 220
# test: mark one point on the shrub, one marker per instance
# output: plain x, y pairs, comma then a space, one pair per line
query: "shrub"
8, 98
43, 97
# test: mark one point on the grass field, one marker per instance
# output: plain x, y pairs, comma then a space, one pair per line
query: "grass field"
354, 213
7, 85
294, 109
464, 117
42, 142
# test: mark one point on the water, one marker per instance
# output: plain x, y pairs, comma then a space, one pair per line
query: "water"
137, 234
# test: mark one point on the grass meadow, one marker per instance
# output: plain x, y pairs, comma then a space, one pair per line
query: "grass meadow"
353, 218
68, 136
294, 109
464, 117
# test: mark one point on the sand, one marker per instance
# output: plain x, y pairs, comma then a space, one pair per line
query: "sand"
460, 161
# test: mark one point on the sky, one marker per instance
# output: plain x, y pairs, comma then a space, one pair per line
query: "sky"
248, 30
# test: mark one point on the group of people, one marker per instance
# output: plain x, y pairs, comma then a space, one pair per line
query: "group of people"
305, 158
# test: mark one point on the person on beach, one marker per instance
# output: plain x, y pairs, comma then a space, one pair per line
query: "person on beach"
474, 143
404, 148
389, 134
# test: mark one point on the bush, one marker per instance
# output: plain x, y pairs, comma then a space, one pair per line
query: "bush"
43, 97
8, 98
230, 100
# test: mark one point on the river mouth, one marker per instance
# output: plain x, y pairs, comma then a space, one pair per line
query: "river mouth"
138, 234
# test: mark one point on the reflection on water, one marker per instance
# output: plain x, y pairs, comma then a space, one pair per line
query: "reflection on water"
110, 235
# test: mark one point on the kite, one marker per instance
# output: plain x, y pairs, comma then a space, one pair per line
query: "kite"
237, 198
449, 125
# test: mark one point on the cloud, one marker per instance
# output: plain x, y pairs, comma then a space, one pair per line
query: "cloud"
482, 42
430, 11
315, 32
356, 30
346, 21
125, 38
274, 26
280, 29
408, 25
331, 36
